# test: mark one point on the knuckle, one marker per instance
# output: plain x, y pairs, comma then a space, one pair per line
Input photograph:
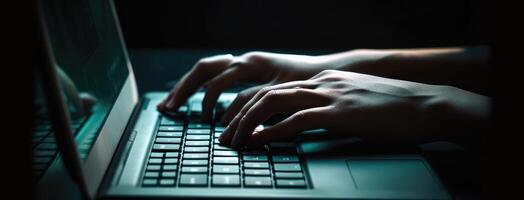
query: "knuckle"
265, 90
271, 96
255, 57
303, 92
299, 116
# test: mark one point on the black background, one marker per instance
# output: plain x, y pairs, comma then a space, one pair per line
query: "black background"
339, 24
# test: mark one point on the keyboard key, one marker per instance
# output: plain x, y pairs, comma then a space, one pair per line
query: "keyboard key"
197, 143
284, 159
194, 162
289, 175
255, 158
225, 153
226, 169
36, 140
256, 172
225, 160
46, 159
44, 153
196, 108
216, 141
166, 147
193, 180
40, 133
198, 137
219, 128
151, 174
170, 122
49, 140
288, 167
155, 161
170, 128
198, 126
196, 156
256, 165
254, 152
198, 132
226, 180
149, 182
43, 127
153, 168
196, 149
168, 140
217, 134
219, 147
157, 155
251, 181
170, 167
167, 182
290, 183
172, 155
169, 134
171, 161
194, 170
169, 174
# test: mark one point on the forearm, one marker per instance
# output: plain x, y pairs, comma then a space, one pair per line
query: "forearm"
466, 68
459, 116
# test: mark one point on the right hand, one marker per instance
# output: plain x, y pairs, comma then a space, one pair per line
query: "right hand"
218, 73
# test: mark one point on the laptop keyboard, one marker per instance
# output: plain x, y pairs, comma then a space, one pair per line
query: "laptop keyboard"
187, 153
44, 145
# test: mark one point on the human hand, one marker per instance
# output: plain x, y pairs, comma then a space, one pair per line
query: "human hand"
81, 102
369, 107
218, 73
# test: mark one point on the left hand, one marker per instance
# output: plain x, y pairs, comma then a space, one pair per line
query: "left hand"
367, 106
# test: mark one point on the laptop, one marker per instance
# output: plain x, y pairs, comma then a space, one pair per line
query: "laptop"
124, 148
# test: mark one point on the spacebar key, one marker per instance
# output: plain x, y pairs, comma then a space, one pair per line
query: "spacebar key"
166, 147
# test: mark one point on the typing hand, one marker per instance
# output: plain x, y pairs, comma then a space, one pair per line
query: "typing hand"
386, 110
220, 72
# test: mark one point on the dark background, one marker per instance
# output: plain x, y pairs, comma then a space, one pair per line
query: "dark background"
165, 37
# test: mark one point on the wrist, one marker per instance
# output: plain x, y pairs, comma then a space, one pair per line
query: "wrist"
458, 115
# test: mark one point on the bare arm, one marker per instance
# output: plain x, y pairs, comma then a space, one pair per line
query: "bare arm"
463, 67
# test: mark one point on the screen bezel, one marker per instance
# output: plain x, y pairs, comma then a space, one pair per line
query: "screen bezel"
101, 154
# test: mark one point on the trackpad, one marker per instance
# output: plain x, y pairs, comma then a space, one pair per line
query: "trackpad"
391, 174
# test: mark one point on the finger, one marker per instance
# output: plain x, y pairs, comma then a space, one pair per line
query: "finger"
88, 101
216, 86
70, 91
265, 90
226, 136
237, 104
275, 102
189, 84
162, 106
312, 118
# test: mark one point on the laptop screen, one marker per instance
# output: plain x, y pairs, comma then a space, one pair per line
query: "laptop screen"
90, 60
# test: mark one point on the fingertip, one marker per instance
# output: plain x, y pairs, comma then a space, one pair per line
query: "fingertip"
161, 106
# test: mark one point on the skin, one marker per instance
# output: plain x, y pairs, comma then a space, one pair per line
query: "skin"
360, 88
